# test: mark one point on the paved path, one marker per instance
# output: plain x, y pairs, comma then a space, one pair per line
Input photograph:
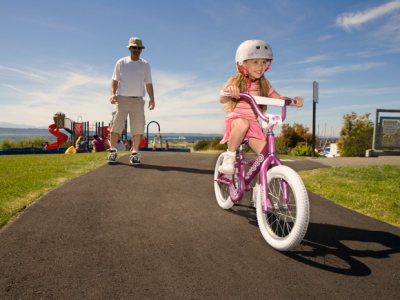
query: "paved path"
156, 232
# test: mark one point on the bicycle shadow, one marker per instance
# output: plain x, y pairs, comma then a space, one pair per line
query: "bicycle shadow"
335, 248
167, 168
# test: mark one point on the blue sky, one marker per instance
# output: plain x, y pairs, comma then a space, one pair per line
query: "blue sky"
59, 56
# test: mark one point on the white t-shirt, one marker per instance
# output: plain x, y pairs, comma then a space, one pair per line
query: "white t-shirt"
132, 76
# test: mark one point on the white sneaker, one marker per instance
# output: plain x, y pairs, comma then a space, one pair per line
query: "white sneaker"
135, 159
228, 165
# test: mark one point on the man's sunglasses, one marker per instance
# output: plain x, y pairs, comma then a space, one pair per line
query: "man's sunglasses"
134, 47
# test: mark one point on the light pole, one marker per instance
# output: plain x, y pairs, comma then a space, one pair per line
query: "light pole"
315, 101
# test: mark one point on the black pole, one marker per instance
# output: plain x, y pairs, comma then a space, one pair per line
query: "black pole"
315, 101
313, 131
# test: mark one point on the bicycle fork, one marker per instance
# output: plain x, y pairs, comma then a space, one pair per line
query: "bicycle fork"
267, 205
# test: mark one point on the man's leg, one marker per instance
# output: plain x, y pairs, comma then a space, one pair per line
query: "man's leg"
134, 158
114, 139
137, 139
137, 122
118, 122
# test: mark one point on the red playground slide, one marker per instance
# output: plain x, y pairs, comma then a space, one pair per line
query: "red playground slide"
61, 138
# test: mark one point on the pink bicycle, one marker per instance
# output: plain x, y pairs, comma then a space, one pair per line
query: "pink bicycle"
281, 200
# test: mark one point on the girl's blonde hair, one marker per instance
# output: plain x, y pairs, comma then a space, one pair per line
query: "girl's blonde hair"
241, 81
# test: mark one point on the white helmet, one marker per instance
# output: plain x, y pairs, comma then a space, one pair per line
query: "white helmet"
253, 49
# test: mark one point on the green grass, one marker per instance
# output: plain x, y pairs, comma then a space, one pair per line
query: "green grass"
373, 191
24, 178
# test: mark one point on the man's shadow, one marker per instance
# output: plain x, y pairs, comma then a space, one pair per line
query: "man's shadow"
335, 248
167, 168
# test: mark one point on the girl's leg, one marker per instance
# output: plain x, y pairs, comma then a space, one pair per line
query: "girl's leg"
257, 145
239, 128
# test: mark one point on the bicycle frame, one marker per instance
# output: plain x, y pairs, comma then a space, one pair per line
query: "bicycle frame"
266, 158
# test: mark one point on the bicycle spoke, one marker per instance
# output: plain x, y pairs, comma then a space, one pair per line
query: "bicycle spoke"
281, 220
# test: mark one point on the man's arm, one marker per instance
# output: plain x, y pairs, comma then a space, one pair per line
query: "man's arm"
114, 87
150, 91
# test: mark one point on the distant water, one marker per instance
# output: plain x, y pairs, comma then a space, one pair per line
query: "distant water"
23, 133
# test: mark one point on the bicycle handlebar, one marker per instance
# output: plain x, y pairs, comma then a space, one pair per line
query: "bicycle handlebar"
258, 100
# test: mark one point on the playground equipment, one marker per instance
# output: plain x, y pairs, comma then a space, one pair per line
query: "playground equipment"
61, 138
75, 129
103, 130
144, 145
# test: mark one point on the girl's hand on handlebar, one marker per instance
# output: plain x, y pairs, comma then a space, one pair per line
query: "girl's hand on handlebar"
298, 102
234, 91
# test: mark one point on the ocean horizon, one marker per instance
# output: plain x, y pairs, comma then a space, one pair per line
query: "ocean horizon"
23, 133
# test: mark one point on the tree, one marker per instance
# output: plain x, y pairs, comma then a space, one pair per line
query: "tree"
291, 136
355, 135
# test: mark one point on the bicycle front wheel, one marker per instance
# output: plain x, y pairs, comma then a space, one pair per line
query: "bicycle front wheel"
284, 226
221, 189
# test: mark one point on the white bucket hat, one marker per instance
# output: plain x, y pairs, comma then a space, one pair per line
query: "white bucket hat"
135, 42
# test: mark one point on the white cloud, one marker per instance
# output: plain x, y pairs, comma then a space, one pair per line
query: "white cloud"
7, 71
351, 19
183, 102
326, 37
329, 71
358, 92
312, 59
389, 32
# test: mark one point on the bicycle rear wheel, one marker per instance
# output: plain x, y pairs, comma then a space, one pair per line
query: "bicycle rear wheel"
286, 224
221, 190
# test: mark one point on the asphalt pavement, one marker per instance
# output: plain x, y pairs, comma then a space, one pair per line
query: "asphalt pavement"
156, 232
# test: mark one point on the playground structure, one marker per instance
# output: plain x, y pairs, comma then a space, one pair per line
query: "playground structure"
76, 129
144, 145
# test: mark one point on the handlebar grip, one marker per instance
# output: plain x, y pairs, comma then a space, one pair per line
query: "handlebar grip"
290, 101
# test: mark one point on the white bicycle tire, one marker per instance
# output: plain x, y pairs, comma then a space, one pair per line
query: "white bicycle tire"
221, 190
302, 210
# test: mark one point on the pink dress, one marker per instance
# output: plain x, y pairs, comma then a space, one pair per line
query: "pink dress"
244, 110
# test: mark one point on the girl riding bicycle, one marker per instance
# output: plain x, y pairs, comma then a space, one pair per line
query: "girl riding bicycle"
253, 59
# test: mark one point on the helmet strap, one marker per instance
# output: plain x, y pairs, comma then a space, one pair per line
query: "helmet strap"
245, 73
243, 70
269, 65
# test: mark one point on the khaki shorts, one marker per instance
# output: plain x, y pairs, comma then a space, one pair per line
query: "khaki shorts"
134, 107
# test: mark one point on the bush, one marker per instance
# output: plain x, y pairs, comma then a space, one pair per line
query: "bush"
281, 147
8, 143
201, 145
36, 142
212, 144
32, 142
303, 149
291, 136
356, 135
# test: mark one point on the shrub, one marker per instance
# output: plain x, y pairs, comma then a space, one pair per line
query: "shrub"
303, 149
292, 135
356, 135
212, 144
8, 143
281, 146
201, 145
36, 142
